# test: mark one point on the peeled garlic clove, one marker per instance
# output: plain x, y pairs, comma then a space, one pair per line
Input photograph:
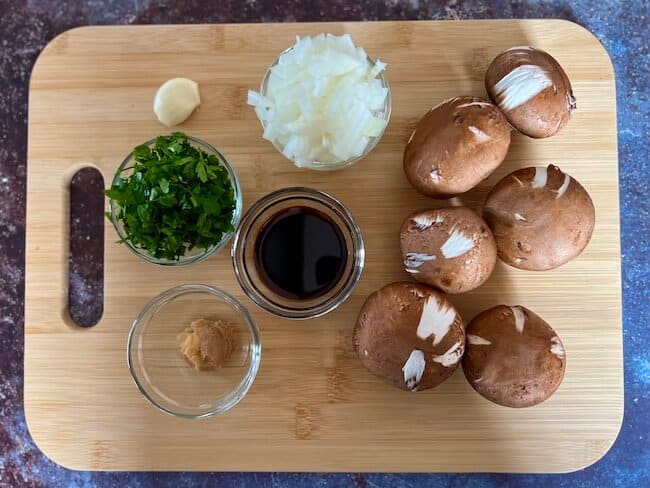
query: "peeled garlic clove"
175, 100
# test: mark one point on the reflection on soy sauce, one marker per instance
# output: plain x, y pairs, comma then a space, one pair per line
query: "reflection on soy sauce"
300, 253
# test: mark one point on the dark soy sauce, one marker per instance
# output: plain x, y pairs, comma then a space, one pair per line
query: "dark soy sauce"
300, 253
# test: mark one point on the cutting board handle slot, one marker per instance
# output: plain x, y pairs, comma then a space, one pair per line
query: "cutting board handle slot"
85, 304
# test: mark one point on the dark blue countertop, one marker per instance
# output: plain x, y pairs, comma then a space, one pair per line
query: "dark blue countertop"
622, 26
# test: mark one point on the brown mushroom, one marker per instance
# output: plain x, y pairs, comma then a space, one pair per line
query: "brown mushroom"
410, 335
541, 218
531, 89
450, 248
455, 146
513, 357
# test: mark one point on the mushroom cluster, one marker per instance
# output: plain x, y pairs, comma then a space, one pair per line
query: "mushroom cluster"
460, 142
541, 217
535, 218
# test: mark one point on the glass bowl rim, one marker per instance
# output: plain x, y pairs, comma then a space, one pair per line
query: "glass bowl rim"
374, 141
183, 260
234, 396
268, 201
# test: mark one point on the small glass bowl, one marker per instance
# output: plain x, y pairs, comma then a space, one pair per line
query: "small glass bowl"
244, 262
196, 254
162, 373
373, 141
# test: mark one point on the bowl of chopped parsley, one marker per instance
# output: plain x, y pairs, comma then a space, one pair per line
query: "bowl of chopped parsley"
175, 200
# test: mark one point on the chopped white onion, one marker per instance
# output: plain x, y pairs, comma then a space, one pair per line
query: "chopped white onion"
323, 103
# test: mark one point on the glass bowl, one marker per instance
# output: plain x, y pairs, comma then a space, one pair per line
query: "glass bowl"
244, 253
373, 141
163, 374
195, 254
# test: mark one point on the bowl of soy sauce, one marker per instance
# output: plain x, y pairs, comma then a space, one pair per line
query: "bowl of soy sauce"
298, 253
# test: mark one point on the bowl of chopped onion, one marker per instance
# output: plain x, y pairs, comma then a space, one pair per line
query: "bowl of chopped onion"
324, 103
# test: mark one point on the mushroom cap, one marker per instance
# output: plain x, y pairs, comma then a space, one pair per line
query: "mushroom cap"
455, 146
410, 335
531, 89
541, 218
450, 248
513, 357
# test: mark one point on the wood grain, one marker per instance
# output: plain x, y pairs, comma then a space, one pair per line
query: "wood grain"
312, 407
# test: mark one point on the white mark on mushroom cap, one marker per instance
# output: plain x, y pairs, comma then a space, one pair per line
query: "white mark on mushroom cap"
417, 292
449, 100
452, 356
518, 216
556, 346
564, 187
527, 48
456, 245
413, 369
478, 380
520, 318
365, 352
518, 181
411, 136
436, 320
520, 85
571, 101
435, 175
479, 134
417, 259
412, 271
541, 177
475, 104
423, 222
477, 340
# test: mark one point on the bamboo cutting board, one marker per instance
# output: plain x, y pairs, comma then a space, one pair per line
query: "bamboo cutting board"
312, 407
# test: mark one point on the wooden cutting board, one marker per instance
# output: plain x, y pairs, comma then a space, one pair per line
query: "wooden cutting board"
313, 407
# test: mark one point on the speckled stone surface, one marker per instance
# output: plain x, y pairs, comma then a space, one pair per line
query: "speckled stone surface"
622, 26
